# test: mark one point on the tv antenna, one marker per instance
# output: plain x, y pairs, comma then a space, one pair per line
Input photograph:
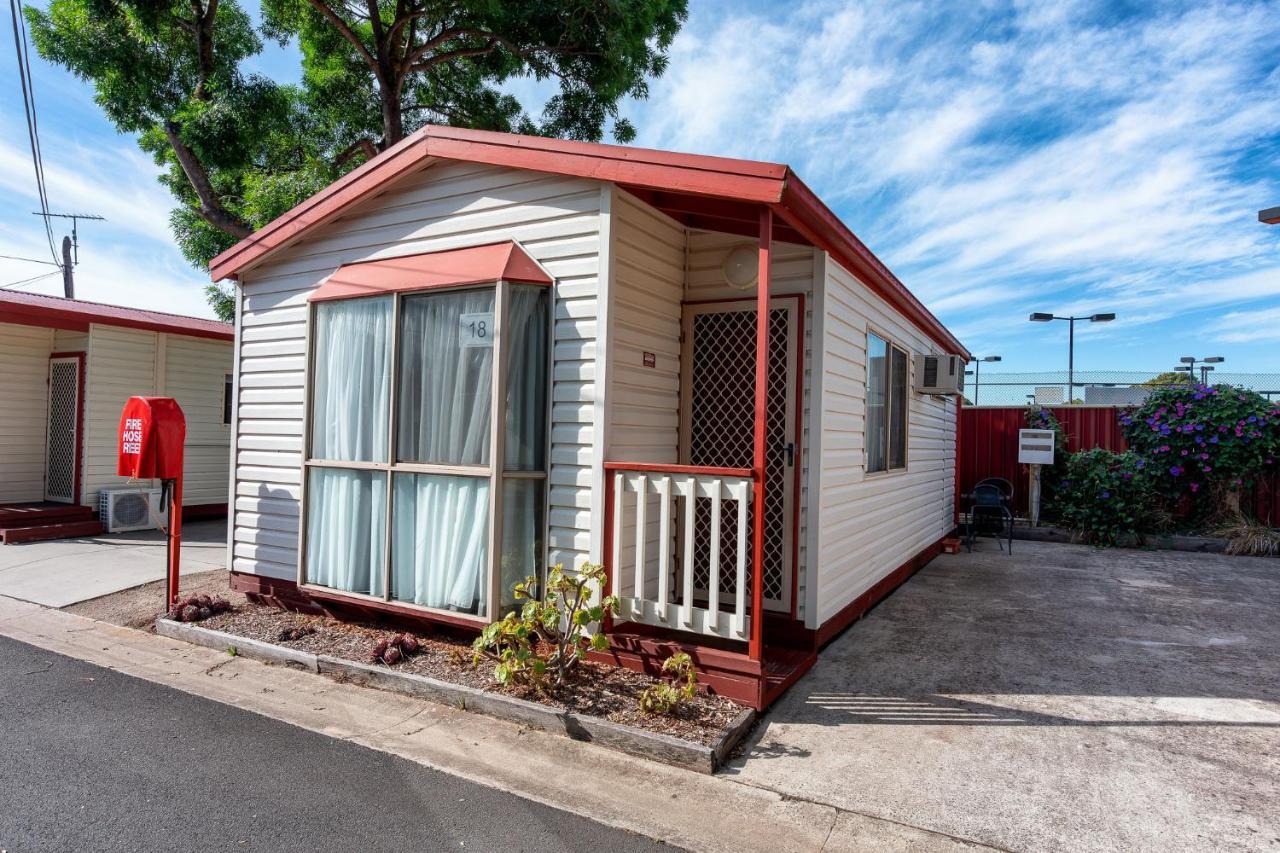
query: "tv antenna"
75, 219
70, 247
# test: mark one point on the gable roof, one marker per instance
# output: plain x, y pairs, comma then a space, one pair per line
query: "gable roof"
58, 312
802, 215
473, 265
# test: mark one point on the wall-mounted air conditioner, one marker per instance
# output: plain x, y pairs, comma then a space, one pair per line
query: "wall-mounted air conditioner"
131, 509
939, 374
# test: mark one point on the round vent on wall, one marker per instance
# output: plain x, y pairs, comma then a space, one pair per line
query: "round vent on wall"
741, 267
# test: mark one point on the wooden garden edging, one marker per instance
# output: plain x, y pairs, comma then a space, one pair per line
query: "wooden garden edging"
624, 738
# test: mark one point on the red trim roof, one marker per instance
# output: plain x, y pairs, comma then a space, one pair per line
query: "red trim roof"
751, 181
57, 312
474, 265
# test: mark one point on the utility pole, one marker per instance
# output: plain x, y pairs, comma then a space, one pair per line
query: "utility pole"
68, 274
70, 248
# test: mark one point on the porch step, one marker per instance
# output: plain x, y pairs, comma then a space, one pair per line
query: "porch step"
33, 514
51, 530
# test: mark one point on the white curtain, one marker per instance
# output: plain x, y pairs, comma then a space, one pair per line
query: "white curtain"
522, 535
526, 340
446, 379
351, 376
877, 402
439, 547
346, 529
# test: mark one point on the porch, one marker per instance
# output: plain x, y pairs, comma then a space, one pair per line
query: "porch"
705, 393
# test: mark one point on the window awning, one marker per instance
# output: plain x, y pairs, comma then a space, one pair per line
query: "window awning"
451, 268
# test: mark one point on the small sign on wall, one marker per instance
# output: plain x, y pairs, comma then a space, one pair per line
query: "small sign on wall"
475, 330
1035, 446
650, 360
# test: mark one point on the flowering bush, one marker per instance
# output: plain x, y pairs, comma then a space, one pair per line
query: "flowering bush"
1207, 443
1104, 495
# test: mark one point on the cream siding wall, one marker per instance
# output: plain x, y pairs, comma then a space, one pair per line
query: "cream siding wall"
446, 205
24, 352
66, 341
871, 524
195, 371
121, 363
792, 271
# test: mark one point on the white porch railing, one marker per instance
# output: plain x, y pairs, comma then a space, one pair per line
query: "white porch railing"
643, 508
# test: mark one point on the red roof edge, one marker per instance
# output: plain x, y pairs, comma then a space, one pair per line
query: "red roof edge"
805, 212
58, 312
491, 262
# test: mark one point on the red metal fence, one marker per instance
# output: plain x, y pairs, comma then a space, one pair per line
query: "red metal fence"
989, 448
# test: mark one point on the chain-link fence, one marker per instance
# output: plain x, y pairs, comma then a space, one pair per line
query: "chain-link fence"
1096, 387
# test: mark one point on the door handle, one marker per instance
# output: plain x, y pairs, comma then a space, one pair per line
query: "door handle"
791, 454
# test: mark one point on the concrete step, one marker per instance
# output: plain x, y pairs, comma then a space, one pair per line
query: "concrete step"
52, 530
33, 514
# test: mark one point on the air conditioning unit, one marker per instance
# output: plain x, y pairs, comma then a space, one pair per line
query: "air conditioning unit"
939, 374
131, 509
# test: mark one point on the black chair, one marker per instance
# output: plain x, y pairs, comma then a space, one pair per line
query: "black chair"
989, 512
1005, 487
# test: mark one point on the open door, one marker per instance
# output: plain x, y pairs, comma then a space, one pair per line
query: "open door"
66, 415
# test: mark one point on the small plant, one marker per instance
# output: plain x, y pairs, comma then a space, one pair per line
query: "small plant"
233, 651
547, 637
197, 608
666, 696
394, 650
1252, 540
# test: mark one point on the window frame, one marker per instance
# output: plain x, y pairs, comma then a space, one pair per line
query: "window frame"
891, 345
494, 472
228, 398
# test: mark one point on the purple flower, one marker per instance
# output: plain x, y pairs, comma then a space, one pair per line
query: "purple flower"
1175, 470
1106, 494
1195, 487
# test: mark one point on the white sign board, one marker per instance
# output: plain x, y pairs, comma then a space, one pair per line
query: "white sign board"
1035, 446
475, 330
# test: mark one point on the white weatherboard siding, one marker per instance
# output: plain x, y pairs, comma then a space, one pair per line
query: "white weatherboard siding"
121, 364
792, 271
195, 371
24, 351
871, 524
646, 293
446, 205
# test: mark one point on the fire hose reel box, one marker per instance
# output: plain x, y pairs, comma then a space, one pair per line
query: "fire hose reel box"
152, 433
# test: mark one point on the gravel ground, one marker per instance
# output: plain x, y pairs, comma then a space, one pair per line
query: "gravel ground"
598, 690
138, 607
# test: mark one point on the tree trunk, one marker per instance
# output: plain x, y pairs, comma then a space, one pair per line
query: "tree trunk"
211, 209
1231, 505
392, 114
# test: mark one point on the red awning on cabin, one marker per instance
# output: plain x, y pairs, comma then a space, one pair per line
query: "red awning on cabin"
451, 268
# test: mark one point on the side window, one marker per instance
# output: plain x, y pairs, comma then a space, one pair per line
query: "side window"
888, 384
228, 397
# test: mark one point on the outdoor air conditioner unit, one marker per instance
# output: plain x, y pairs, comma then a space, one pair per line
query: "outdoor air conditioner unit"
939, 374
131, 509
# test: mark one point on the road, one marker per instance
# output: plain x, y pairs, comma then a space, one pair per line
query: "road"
93, 760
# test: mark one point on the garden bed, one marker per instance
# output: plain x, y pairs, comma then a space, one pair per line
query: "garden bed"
601, 703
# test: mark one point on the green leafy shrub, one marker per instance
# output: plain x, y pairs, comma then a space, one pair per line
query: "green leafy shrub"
665, 696
547, 637
1104, 496
1205, 444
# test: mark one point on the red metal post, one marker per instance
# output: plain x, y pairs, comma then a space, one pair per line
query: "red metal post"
175, 538
606, 558
756, 647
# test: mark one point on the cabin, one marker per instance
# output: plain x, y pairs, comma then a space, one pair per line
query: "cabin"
69, 367
480, 354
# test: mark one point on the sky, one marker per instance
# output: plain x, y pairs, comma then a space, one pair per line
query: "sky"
1000, 157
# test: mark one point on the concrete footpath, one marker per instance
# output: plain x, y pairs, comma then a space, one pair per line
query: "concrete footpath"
65, 571
682, 808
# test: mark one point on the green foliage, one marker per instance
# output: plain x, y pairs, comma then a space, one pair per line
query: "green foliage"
237, 149
1105, 496
1205, 444
548, 636
1039, 417
665, 696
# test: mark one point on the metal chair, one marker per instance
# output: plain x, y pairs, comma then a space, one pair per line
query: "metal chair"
989, 505
1005, 487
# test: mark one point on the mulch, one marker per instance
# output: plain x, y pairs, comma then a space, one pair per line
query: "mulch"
597, 690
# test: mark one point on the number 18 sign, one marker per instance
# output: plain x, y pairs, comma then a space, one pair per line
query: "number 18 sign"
475, 330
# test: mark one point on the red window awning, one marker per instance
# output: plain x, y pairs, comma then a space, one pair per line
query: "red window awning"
451, 268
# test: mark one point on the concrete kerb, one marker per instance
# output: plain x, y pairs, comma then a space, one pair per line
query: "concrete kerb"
624, 738
1160, 542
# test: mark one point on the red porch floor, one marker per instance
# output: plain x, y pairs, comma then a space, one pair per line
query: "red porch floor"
36, 520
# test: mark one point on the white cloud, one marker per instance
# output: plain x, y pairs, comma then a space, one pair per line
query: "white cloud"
1248, 326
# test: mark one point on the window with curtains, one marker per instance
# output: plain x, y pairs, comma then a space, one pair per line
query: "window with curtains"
426, 465
888, 384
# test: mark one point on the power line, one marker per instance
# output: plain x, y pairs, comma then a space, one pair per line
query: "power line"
29, 280
29, 107
28, 260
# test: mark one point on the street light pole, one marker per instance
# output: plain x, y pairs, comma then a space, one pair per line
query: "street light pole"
1040, 317
977, 372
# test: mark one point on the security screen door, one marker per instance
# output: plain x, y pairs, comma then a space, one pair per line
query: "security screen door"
63, 431
717, 429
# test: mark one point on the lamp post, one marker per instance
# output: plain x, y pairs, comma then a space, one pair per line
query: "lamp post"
977, 372
1271, 216
1039, 317
1189, 363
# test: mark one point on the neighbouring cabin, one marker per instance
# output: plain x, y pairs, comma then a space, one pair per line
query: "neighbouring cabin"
481, 354
70, 365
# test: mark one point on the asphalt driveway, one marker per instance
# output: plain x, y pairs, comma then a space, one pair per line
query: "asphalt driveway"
65, 571
1062, 698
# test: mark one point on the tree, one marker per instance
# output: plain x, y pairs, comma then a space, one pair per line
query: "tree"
1175, 378
238, 149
